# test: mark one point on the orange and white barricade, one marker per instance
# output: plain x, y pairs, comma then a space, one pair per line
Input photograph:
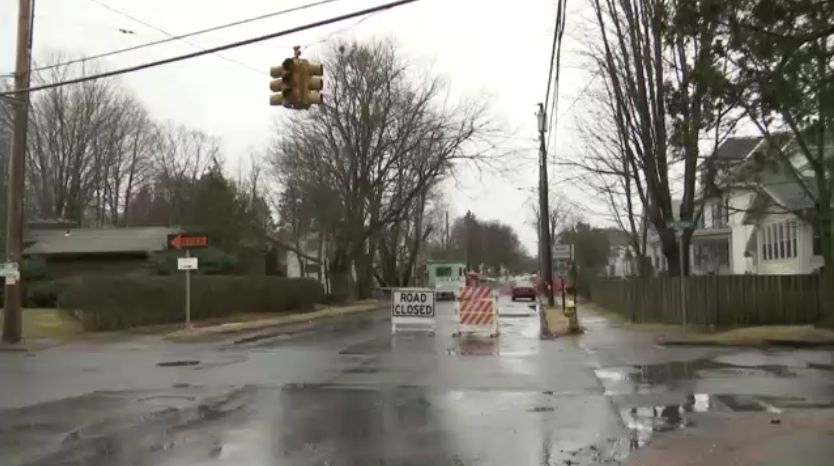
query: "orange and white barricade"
477, 310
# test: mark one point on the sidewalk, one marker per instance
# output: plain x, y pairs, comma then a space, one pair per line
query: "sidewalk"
202, 333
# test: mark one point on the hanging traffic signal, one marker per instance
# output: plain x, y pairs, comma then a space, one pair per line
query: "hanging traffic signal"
298, 82
286, 85
311, 82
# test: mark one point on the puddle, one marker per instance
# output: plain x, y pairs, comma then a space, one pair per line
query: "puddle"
644, 421
474, 347
647, 378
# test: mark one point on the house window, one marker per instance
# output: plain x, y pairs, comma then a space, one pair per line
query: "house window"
720, 212
779, 241
794, 233
817, 242
780, 233
723, 254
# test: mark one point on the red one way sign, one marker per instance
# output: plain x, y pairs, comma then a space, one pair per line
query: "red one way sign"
187, 241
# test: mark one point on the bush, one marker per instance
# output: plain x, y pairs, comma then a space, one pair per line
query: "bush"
45, 293
114, 303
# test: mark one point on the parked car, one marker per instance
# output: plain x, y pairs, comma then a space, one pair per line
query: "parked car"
523, 290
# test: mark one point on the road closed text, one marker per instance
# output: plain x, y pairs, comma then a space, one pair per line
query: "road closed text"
412, 303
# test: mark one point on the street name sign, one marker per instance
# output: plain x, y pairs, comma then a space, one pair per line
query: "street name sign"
187, 263
181, 241
10, 271
680, 224
412, 309
563, 251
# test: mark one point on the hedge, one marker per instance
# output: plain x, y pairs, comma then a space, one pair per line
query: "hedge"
45, 293
114, 303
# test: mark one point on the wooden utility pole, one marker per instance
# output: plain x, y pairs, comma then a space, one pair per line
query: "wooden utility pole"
546, 250
17, 164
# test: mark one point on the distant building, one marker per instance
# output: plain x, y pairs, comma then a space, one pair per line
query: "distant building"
306, 259
621, 255
71, 251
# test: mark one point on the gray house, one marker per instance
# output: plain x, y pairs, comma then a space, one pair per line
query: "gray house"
95, 251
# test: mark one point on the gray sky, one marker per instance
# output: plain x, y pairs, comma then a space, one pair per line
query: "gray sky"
468, 42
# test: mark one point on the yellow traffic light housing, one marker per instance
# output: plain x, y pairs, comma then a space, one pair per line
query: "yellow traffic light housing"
287, 84
298, 82
312, 83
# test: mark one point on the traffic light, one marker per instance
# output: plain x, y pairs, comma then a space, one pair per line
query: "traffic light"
311, 82
297, 85
286, 85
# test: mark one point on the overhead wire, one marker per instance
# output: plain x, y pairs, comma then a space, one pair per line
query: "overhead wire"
560, 28
240, 43
174, 36
181, 36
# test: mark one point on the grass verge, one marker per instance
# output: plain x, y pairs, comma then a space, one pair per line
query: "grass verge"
48, 323
774, 335
558, 324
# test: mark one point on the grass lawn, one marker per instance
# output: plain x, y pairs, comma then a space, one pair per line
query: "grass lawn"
761, 336
48, 323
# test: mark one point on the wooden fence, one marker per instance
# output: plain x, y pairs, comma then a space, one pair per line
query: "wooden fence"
715, 299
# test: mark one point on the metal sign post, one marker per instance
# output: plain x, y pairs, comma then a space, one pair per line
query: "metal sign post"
188, 292
187, 242
679, 226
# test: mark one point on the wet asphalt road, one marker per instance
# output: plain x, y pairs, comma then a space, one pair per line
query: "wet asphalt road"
347, 392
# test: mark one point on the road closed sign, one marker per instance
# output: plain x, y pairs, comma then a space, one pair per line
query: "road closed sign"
412, 309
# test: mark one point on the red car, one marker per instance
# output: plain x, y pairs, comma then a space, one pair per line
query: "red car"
523, 290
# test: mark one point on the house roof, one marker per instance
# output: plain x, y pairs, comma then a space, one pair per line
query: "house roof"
737, 148
617, 237
97, 240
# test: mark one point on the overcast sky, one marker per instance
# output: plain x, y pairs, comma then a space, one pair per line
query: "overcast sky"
468, 42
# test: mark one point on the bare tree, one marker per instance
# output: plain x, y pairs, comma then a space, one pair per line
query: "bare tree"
381, 138
650, 51
180, 157
64, 135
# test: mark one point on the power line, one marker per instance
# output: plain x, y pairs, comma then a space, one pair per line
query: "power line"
182, 36
220, 48
560, 22
189, 42
552, 55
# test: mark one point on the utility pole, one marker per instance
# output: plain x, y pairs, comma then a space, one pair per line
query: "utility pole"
446, 239
17, 163
544, 208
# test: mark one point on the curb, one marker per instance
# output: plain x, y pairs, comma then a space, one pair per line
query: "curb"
756, 344
182, 336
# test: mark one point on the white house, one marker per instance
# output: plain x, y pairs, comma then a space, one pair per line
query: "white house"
305, 259
620, 255
749, 223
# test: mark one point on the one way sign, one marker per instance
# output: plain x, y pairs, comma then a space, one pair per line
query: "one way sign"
187, 241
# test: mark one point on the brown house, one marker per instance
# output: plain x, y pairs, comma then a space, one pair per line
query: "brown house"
95, 251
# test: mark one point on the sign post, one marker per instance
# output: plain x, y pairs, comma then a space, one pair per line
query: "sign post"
564, 252
187, 242
679, 226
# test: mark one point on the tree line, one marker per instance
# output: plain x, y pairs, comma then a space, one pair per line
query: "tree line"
96, 158
486, 246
